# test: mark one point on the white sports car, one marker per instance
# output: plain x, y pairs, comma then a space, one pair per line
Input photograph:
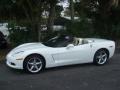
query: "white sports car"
59, 51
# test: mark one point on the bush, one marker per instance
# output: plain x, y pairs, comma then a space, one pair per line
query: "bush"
84, 28
19, 35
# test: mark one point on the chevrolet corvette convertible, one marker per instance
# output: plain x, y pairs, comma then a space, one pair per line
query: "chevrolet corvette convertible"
60, 51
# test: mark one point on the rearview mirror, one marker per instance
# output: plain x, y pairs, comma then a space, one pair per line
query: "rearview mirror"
70, 46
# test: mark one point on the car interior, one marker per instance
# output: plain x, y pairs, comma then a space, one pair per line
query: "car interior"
79, 41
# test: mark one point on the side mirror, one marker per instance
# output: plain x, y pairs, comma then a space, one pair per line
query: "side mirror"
70, 46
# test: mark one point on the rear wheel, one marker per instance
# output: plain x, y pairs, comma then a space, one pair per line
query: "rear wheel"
101, 57
33, 64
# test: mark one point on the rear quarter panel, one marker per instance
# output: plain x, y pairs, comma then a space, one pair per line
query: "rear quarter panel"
109, 45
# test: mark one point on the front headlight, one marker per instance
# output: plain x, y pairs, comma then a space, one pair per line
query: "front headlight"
18, 55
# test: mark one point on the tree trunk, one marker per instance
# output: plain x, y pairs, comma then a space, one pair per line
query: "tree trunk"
72, 10
51, 17
37, 18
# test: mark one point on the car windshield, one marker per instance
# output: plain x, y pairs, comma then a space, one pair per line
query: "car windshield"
59, 41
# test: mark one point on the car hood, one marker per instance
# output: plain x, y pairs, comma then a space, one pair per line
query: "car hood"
28, 46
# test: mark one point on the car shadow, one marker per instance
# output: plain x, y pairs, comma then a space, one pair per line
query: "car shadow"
53, 69
67, 67
16, 71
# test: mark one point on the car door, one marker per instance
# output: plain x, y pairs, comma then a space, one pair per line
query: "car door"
75, 54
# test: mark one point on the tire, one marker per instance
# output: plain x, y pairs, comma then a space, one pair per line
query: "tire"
34, 64
101, 57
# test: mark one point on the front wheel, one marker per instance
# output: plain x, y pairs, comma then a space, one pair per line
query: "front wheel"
101, 57
33, 64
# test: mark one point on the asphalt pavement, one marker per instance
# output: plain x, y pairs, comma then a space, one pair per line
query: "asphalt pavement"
75, 77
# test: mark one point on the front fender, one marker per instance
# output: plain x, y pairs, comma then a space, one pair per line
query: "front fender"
48, 57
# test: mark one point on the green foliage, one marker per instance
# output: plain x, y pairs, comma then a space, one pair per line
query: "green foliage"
115, 31
81, 29
104, 16
58, 10
98, 18
19, 35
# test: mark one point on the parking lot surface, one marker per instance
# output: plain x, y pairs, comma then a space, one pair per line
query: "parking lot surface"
75, 77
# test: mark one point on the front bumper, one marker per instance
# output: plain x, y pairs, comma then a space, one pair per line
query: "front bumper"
13, 63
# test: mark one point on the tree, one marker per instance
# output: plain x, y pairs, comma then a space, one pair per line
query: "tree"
33, 11
30, 12
52, 4
5, 7
72, 10
100, 13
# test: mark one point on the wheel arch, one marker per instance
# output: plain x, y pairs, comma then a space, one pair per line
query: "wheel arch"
107, 51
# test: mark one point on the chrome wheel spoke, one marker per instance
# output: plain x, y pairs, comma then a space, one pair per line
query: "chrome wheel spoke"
104, 55
101, 57
34, 60
37, 63
98, 57
36, 67
30, 63
31, 67
34, 64
99, 60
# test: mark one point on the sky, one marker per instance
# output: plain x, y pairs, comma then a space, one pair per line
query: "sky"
65, 3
